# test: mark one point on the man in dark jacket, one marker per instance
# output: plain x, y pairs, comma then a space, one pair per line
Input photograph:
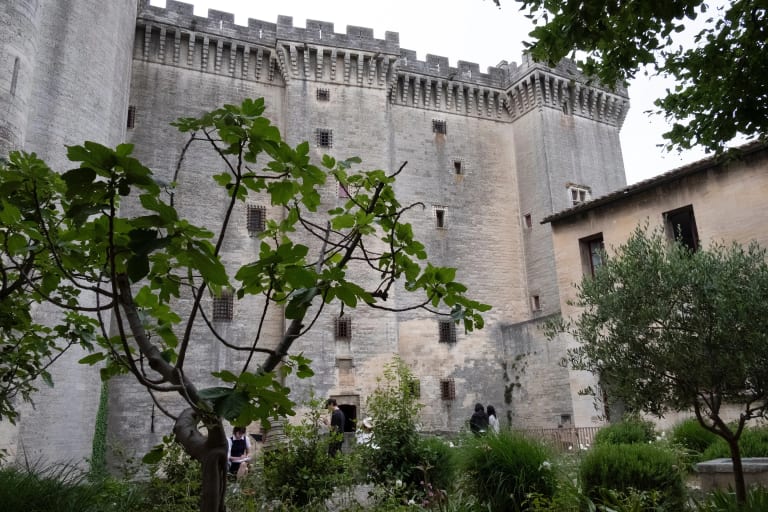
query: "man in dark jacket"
478, 423
337, 426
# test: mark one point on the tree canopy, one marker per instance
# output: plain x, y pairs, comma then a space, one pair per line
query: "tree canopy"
720, 71
149, 270
667, 329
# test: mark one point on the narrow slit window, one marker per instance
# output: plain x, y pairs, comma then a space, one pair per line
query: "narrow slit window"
256, 219
15, 76
447, 389
535, 303
447, 331
457, 167
527, 221
131, 122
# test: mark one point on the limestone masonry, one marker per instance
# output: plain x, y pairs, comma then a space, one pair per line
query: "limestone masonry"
490, 154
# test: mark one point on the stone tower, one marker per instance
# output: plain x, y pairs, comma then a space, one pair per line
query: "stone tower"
489, 155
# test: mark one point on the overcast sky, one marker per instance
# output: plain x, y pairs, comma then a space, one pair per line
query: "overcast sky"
469, 30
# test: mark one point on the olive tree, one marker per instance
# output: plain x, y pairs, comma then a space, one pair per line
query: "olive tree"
668, 329
141, 267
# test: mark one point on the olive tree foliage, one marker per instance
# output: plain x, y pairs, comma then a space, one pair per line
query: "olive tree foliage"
720, 71
151, 270
30, 274
667, 329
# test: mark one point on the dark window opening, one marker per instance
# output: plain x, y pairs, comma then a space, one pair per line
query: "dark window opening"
447, 331
439, 126
324, 137
681, 225
439, 218
528, 221
15, 76
343, 328
535, 303
447, 389
592, 253
457, 167
414, 388
256, 219
323, 95
223, 307
350, 416
131, 122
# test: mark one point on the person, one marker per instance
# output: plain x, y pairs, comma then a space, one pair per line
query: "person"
364, 435
239, 452
337, 426
493, 421
478, 423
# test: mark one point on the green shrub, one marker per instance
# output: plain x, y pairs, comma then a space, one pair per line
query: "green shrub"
438, 466
300, 472
504, 469
633, 468
394, 408
725, 501
753, 443
690, 434
175, 483
629, 431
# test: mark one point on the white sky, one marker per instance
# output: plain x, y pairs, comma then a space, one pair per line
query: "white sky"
469, 30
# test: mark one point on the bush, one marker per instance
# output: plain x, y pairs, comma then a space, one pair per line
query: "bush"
753, 443
725, 501
300, 472
690, 434
438, 466
628, 431
504, 469
394, 408
175, 483
632, 469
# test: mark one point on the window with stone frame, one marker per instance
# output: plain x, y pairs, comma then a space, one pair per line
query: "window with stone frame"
592, 249
447, 331
578, 194
681, 226
324, 137
441, 214
342, 328
256, 219
457, 167
439, 126
535, 303
223, 306
323, 95
447, 389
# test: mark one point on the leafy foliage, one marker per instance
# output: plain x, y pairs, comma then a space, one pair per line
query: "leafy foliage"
630, 430
633, 467
395, 410
300, 472
504, 470
670, 329
720, 74
752, 443
150, 270
691, 435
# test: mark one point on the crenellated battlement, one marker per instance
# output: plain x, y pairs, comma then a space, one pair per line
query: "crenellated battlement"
279, 52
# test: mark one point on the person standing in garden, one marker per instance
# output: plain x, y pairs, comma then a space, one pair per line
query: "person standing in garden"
478, 423
493, 421
336, 426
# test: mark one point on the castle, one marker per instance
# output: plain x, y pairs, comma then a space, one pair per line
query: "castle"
489, 153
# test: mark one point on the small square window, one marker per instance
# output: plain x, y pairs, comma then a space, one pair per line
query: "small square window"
131, 122
535, 303
223, 306
527, 221
447, 389
457, 167
578, 194
439, 126
324, 137
256, 219
323, 95
343, 328
447, 331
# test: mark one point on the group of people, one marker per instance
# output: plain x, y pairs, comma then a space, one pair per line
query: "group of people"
483, 420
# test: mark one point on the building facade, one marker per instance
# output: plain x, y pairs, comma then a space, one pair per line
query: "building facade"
702, 203
490, 154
